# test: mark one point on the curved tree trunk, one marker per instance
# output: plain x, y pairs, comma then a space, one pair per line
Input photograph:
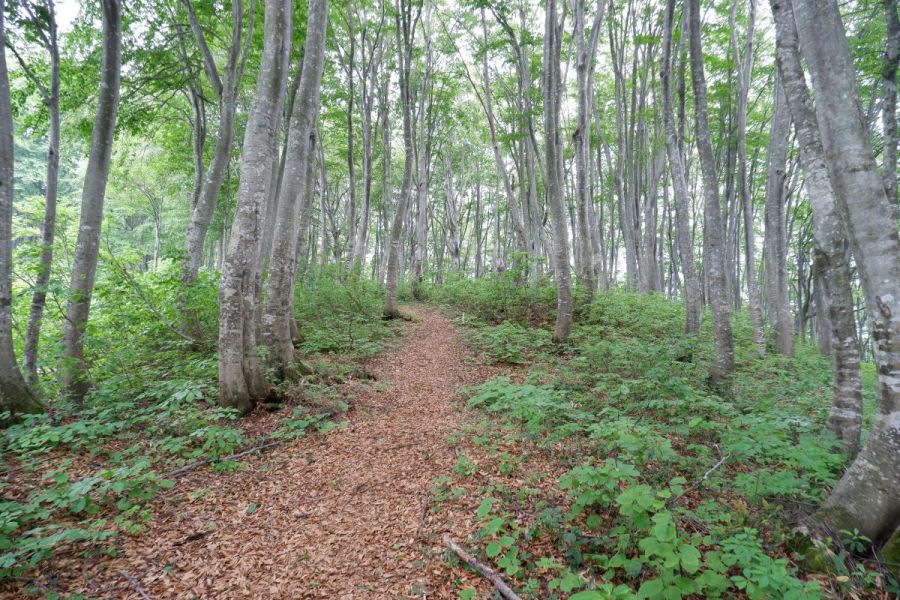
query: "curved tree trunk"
72, 367
48, 230
845, 418
241, 380
15, 396
867, 497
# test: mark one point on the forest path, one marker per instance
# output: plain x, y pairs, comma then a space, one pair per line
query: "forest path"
344, 515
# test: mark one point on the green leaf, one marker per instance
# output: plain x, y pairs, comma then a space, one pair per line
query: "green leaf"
690, 558
467, 594
252, 508
493, 549
485, 507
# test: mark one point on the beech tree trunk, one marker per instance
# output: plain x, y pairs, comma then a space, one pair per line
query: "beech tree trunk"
586, 50
226, 89
551, 87
889, 99
832, 264
48, 229
73, 370
775, 242
692, 306
16, 398
745, 70
278, 308
406, 26
719, 301
867, 497
241, 381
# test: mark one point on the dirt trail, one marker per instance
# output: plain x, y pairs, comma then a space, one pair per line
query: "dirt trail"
336, 516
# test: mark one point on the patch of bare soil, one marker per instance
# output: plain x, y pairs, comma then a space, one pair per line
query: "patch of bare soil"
345, 515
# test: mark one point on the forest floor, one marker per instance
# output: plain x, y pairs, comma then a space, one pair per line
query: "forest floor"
349, 514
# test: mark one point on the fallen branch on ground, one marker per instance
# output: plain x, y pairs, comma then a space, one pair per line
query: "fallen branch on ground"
200, 463
136, 585
489, 574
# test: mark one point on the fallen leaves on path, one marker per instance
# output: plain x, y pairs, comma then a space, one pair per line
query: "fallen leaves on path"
346, 515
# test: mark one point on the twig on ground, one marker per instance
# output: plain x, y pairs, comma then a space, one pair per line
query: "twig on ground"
200, 463
697, 483
488, 573
426, 498
136, 585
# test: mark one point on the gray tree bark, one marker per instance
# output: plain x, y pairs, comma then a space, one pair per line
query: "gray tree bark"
552, 88
867, 497
692, 306
775, 241
745, 70
719, 301
50, 96
226, 91
406, 20
16, 398
241, 381
73, 370
889, 98
831, 251
586, 50
278, 307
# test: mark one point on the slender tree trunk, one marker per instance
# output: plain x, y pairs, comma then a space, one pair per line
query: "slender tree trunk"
867, 497
775, 242
744, 76
406, 22
889, 100
552, 89
488, 105
16, 398
714, 264
227, 91
679, 184
48, 231
241, 380
73, 370
586, 50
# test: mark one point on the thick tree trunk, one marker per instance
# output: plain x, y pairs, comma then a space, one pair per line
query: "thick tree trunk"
714, 264
73, 371
867, 497
775, 241
16, 398
241, 380
48, 230
552, 89
832, 264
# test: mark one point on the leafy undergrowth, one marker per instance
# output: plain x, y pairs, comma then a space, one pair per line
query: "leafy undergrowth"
617, 473
80, 475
